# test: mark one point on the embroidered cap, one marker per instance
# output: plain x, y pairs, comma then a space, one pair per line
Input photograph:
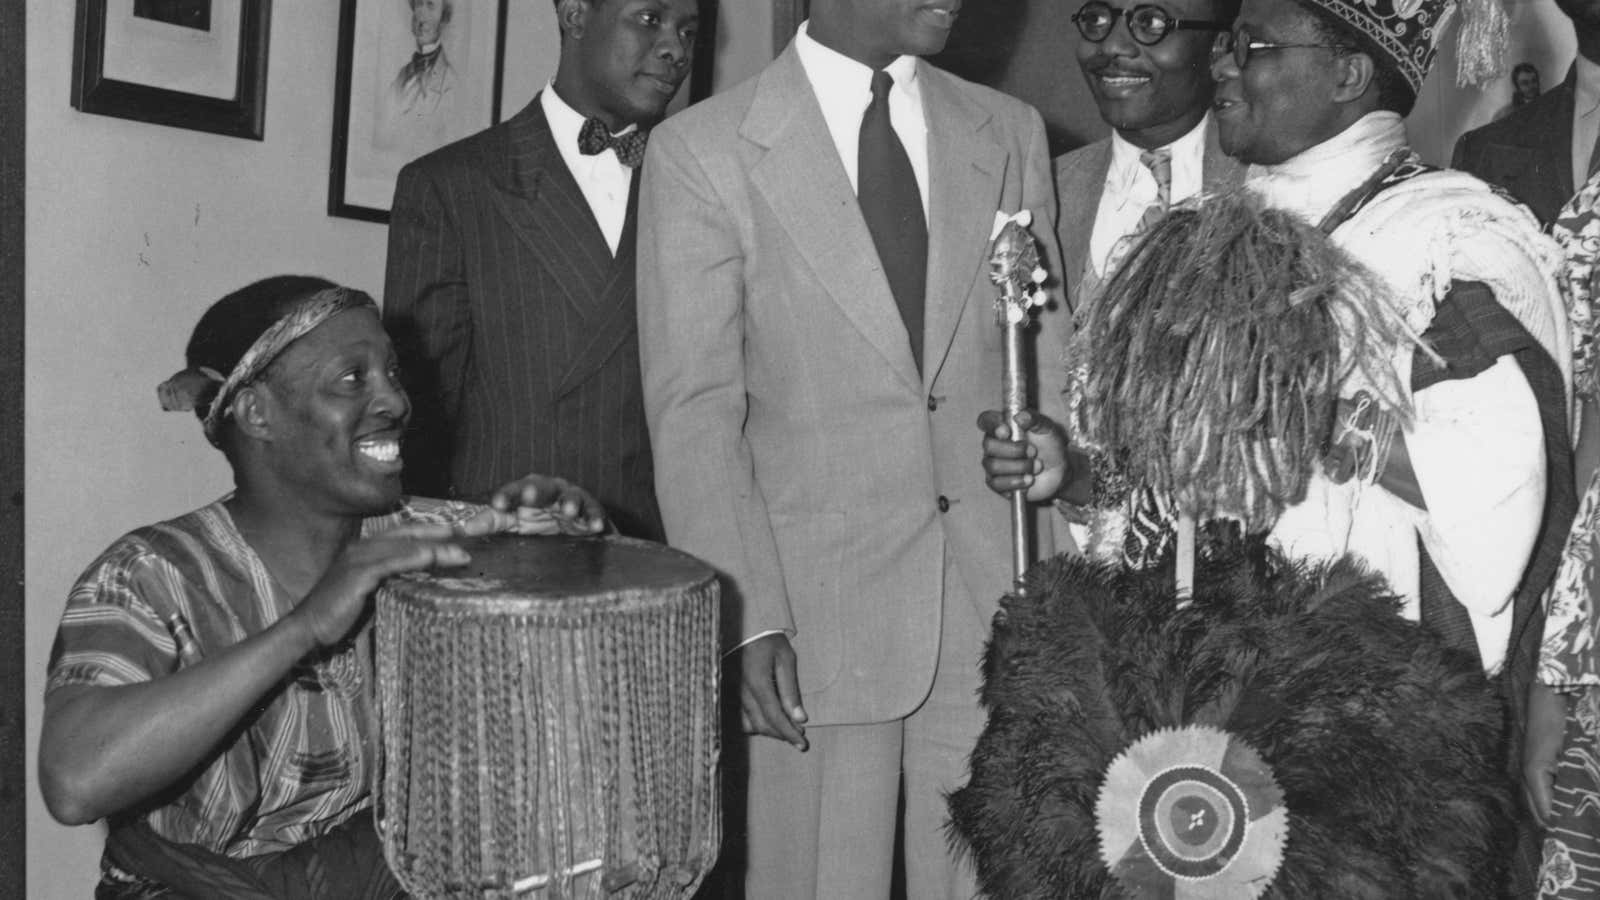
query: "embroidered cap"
1404, 35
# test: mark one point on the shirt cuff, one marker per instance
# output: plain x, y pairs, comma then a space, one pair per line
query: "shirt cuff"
756, 637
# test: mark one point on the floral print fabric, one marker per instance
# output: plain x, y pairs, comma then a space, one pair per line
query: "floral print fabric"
1569, 659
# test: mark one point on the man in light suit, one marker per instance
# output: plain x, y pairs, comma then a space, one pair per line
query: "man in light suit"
810, 380
1150, 75
1544, 151
510, 285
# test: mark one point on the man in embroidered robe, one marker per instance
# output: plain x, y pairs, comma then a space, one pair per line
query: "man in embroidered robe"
1459, 516
510, 284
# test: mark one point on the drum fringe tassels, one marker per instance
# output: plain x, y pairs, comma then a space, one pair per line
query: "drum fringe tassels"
1279, 677
1212, 357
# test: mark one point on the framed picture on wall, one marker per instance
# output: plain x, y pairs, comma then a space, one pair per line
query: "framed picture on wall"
413, 75
199, 64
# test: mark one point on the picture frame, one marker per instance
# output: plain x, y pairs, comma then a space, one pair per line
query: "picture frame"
196, 64
408, 81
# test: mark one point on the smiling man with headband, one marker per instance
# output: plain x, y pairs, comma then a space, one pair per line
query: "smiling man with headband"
211, 694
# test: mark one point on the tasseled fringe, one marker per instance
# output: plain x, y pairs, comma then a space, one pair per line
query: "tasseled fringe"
1481, 42
1214, 355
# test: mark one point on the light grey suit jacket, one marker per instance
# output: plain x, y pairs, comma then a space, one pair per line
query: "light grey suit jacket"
797, 448
1081, 179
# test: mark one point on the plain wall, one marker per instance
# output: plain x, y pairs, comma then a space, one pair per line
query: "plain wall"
132, 230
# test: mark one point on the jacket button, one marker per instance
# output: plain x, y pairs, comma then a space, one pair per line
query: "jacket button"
933, 403
944, 503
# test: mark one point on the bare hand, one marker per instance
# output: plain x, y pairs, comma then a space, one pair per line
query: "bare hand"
544, 504
769, 693
339, 599
1541, 750
1038, 466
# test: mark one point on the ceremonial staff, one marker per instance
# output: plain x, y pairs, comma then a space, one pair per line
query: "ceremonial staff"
1015, 270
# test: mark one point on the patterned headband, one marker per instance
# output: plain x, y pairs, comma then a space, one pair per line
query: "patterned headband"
190, 388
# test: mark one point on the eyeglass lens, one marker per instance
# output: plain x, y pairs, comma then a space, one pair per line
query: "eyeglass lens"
1148, 24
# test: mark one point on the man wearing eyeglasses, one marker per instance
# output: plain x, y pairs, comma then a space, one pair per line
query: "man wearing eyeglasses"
1148, 69
1455, 513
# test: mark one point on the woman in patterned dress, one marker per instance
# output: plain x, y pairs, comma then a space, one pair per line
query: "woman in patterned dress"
1562, 758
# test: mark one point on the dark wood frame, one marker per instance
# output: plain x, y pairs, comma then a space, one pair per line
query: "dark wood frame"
245, 116
13, 784
341, 108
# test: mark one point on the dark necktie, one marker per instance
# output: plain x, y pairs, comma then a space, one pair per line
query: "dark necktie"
595, 138
420, 60
886, 187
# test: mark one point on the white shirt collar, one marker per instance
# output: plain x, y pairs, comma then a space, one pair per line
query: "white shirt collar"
1311, 182
1188, 152
565, 122
603, 179
843, 89
838, 79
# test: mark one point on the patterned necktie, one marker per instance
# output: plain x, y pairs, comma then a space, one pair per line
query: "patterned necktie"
1150, 530
595, 138
1159, 162
892, 205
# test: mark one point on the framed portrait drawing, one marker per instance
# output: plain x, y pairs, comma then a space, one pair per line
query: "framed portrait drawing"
199, 64
413, 75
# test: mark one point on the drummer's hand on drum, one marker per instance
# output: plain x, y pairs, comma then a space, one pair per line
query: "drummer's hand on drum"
1038, 465
544, 504
769, 691
338, 600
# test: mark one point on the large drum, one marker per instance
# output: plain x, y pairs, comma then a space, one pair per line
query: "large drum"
549, 721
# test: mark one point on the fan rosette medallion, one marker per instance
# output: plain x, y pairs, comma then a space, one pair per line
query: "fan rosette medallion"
1191, 813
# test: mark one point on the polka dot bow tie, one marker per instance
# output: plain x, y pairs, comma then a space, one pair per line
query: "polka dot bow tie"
595, 138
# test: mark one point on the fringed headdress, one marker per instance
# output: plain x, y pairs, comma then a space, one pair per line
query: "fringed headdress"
209, 392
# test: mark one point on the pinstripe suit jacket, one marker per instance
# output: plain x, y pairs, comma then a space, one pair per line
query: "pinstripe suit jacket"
516, 325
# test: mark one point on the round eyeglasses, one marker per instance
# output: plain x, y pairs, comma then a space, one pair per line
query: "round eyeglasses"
1147, 23
1239, 43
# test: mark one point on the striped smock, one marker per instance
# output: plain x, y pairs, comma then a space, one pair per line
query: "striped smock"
165, 597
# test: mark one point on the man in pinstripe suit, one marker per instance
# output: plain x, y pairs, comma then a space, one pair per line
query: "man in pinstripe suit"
510, 284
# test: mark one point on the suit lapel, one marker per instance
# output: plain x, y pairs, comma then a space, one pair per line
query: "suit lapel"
804, 182
1555, 144
547, 211
1079, 184
965, 171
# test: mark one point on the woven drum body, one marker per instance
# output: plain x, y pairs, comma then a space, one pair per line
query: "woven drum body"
549, 721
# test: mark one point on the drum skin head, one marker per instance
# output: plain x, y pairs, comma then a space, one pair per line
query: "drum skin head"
535, 571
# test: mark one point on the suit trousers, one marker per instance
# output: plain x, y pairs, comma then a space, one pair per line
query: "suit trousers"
822, 823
